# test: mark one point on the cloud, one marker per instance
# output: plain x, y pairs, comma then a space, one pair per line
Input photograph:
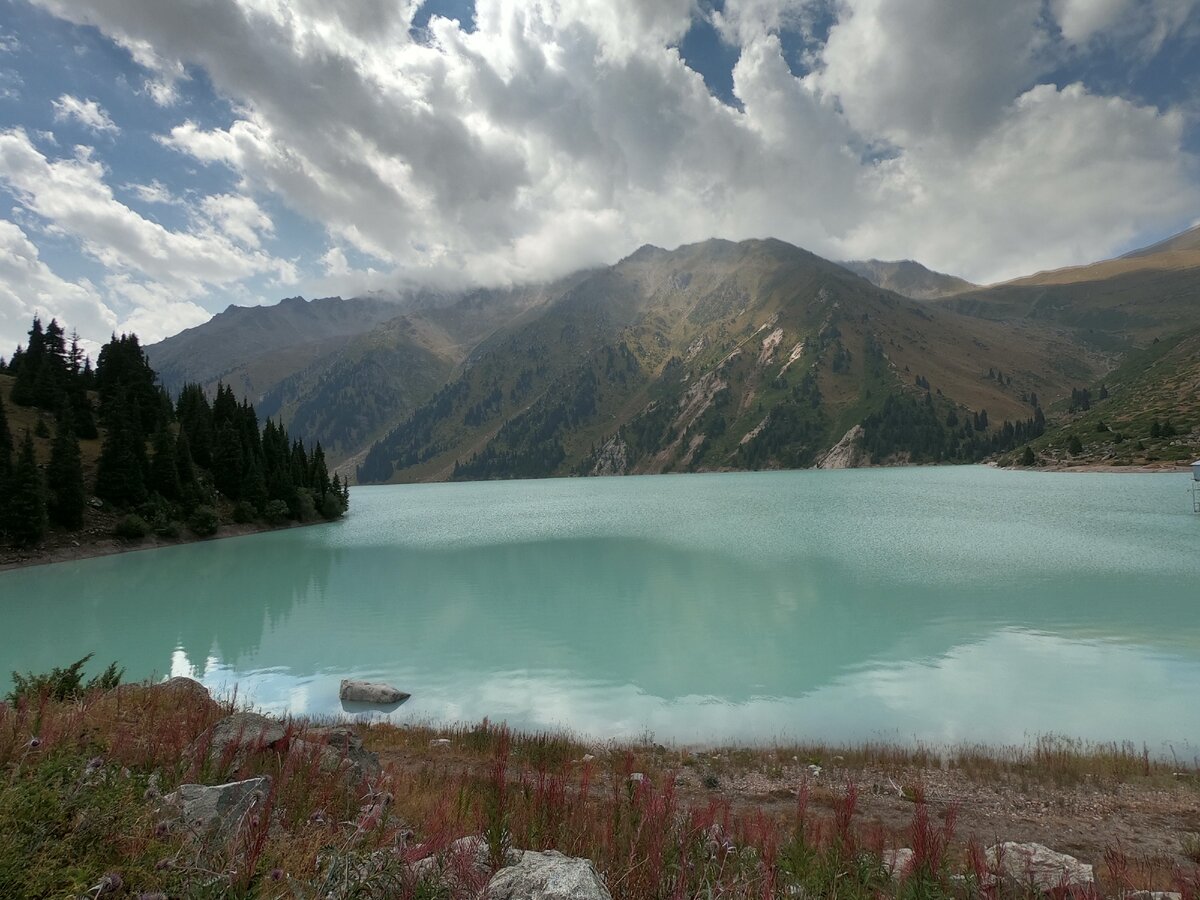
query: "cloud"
155, 275
154, 192
561, 133
87, 113
28, 287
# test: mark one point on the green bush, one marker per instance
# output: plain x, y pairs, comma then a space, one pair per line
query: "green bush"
277, 512
244, 512
304, 508
131, 528
204, 521
332, 506
167, 528
63, 683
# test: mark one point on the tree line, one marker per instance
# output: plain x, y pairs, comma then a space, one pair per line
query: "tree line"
163, 464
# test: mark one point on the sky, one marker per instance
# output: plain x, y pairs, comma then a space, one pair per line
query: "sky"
162, 160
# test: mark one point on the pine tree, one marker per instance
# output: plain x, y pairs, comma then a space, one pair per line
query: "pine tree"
1027, 457
27, 367
164, 468
25, 519
64, 475
121, 471
6, 447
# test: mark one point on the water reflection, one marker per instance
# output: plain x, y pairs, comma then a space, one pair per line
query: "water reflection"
732, 610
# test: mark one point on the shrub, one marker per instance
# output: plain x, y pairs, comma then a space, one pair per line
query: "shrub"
204, 521
62, 683
332, 506
167, 528
244, 512
1074, 445
304, 509
277, 512
131, 528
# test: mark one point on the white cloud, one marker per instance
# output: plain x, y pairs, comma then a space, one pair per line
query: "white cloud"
154, 192
563, 133
87, 113
239, 217
28, 287
157, 272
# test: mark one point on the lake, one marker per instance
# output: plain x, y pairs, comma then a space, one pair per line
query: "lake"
943, 605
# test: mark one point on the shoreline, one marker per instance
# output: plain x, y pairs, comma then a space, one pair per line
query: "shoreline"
11, 559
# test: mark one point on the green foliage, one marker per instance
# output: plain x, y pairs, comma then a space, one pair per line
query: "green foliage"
25, 510
276, 512
1027, 457
122, 469
64, 475
131, 527
204, 521
1074, 445
62, 682
244, 512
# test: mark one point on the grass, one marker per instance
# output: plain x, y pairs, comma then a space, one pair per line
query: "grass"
79, 817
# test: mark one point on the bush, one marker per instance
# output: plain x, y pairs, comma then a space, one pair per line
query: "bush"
243, 512
131, 528
167, 528
1074, 445
304, 509
204, 521
277, 512
62, 683
332, 506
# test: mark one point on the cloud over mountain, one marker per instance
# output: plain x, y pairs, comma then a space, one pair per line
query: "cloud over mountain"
543, 136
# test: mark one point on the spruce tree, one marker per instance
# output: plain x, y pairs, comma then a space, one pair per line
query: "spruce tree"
6, 447
64, 475
121, 471
25, 519
29, 365
164, 467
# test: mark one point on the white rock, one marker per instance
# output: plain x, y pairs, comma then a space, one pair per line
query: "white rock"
370, 692
547, 876
898, 862
1038, 866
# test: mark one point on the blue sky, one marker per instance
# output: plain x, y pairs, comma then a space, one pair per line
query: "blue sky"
160, 161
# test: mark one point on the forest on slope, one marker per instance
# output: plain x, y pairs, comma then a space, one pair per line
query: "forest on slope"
93, 454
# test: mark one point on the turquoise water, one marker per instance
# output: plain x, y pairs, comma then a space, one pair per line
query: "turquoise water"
934, 604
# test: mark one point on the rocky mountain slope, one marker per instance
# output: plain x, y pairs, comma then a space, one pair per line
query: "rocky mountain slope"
717, 355
729, 356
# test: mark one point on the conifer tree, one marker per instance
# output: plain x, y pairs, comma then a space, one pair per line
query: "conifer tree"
164, 468
27, 364
25, 519
121, 471
6, 447
64, 475
183, 460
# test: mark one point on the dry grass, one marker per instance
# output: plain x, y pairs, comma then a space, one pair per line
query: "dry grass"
76, 806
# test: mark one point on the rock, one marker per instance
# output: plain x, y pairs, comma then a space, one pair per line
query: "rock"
898, 862
440, 743
342, 746
237, 737
1152, 895
370, 692
218, 808
547, 876
95, 503
637, 778
1038, 866
468, 859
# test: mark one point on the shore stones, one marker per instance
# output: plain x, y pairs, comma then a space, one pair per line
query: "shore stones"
547, 876
898, 862
1037, 866
370, 692
221, 807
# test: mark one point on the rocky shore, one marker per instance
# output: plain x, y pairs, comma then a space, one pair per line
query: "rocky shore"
158, 790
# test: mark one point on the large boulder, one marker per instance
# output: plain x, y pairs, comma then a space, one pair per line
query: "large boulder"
1037, 866
547, 876
371, 692
221, 808
233, 739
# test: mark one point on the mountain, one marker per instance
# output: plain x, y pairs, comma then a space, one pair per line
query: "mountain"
338, 371
1116, 304
1144, 412
251, 348
908, 278
729, 356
